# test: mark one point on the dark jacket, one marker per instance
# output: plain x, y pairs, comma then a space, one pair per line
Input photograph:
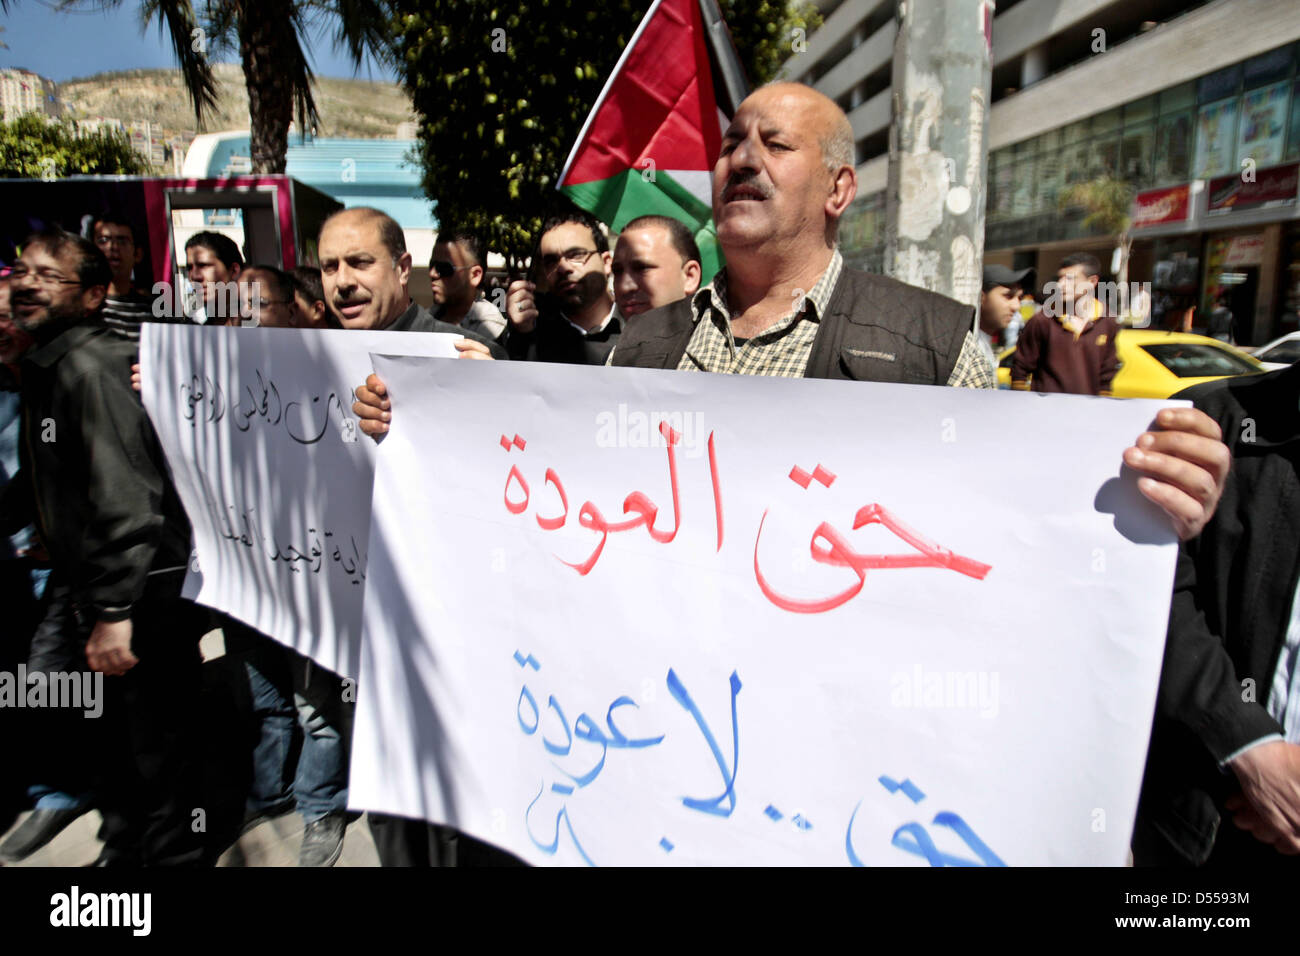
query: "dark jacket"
554, 339
875, 329
418, 319
1232, 600
1060, 361
93, 474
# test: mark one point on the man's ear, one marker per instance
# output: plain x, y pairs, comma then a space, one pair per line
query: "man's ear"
844, 187
93, 297
475, 276
691, 272
235, 270
404, 268
608, 258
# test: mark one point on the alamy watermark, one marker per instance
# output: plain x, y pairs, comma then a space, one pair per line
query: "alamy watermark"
220, 300
76, 690
633, 428
1131, 301
946, 690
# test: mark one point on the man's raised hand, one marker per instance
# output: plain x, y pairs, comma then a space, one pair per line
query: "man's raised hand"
521, 306
372, 407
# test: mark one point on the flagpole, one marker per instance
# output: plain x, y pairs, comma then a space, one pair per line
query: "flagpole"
723, 54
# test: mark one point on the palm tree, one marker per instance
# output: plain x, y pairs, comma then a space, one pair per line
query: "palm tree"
1108, 202
269, 37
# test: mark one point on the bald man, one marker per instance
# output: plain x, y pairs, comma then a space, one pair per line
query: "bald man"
786, 305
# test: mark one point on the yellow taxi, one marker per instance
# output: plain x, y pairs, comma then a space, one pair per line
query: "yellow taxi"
1156, 364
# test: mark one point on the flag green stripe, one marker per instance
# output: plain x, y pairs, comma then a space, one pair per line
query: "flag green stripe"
620, 199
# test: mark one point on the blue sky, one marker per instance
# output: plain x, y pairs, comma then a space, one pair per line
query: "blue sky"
64, 46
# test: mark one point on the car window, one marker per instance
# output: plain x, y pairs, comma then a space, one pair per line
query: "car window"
1282, 352
1194, 360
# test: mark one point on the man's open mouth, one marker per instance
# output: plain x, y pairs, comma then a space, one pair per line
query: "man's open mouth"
737, 193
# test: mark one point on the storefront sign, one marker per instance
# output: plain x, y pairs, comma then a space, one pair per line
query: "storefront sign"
1157, 206
1239, 250
1276, 185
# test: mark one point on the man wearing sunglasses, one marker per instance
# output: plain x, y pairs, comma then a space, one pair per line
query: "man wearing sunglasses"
455, 275
564, 312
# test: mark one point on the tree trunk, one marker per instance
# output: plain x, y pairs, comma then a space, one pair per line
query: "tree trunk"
264, 29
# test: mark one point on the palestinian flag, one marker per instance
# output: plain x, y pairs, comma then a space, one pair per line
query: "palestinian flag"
654, 134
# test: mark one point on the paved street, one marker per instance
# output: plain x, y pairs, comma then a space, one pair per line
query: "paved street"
272, 843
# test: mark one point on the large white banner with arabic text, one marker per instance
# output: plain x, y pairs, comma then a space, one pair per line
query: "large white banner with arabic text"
273, 471
629, 617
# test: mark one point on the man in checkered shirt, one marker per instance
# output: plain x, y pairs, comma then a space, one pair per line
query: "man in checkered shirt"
785, 305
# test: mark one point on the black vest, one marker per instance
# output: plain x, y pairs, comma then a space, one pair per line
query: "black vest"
875, 329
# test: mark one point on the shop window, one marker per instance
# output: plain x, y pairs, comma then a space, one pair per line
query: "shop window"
1048, 185
1219, 85
1074, 164
1269, 67
1051, 140
1135, 149
1140, 111
1178, 98
1103, 157
1075, 132
1107, 122
1023, 187
1293, 141
1002, 188
1216, 128
1261, 133
1173, 149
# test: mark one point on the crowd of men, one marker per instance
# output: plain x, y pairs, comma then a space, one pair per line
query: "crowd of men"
115, 542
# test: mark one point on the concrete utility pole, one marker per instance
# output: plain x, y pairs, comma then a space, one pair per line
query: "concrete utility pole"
938, 159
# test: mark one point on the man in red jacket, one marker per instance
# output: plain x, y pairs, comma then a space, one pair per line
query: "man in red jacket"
1069, 346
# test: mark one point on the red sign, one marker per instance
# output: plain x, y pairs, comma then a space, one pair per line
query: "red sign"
1251, 188
1160, 205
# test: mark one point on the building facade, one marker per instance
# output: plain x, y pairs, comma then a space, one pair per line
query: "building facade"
22, 91
1195, 104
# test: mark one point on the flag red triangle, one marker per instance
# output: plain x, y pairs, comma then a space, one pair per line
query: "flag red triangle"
658, 105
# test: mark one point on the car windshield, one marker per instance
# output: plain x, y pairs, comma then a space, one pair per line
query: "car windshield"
1288, 352
1194, 360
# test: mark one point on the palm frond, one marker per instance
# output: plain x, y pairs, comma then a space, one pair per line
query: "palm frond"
176, 19
364, 27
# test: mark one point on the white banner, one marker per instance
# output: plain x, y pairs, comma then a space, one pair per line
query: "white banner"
639, 617
273, 471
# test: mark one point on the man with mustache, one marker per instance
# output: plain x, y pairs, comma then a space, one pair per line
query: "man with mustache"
94, 479
785, 304
565, 312
656, 262
366, 270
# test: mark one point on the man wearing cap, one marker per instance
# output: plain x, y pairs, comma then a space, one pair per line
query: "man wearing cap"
999, 302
